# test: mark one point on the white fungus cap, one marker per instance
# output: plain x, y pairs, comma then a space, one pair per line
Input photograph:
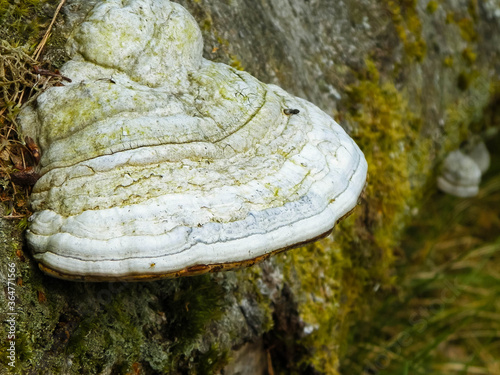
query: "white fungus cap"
460, 175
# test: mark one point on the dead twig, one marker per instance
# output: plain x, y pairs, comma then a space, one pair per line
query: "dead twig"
40, 46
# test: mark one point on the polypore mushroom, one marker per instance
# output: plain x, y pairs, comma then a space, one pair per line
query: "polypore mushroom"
158, 163
462, 170
460, 175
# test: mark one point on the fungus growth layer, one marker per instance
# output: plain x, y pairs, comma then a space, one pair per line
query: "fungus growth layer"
158, 163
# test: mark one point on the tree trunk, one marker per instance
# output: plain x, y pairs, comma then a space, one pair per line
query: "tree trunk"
409, 80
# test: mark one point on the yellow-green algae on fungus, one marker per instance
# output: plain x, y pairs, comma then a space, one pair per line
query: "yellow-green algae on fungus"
159, 163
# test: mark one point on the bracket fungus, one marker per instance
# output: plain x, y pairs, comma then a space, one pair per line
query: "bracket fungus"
462, 171
158, 163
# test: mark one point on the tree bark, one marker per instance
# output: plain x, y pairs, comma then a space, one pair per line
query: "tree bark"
409, 80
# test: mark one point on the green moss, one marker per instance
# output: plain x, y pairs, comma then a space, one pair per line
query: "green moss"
236, 62
466, 110
408, 27
212, 362
469, 56
473, 9
23, 22
319, 269
450, 18
448, 62
467, 29
107, 328
449, 284
432, 6
388, 133
115, 327
466, 25
206, 24
196, 302
22, 224
342, 272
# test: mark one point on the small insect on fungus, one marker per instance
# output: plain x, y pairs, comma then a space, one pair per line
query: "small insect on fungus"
290, 112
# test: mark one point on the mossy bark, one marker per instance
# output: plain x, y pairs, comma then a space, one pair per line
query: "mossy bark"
407, 79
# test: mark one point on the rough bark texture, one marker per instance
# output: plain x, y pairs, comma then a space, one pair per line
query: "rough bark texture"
407, 79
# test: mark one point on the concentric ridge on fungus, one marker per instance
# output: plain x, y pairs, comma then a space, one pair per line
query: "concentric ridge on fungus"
159, 163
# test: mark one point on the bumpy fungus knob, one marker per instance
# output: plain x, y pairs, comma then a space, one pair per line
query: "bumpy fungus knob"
177, 165
151, 41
